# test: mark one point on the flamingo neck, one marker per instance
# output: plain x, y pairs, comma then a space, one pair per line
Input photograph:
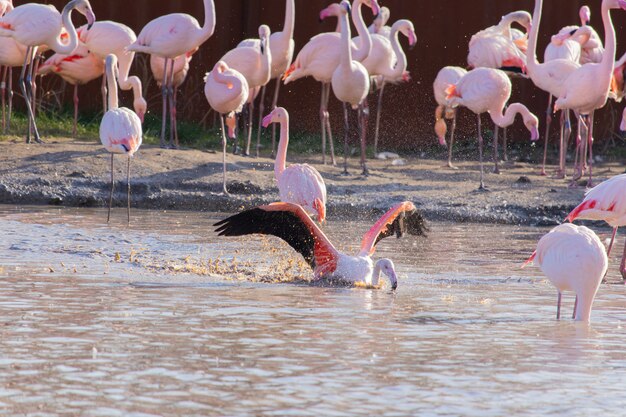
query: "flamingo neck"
365, 46
531, 50
346, 56
401, 63
266, 57
608, 56
112, 86
584, 305
376, 275
124, 62
509, 116
209, 21
281, 154
66, 18
232, 83
290, 18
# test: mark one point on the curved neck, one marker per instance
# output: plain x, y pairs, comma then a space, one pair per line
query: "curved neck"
507, 119
364, 49
59, 47
401, 63
531, 50
281, 153
209, 20
112, 86
608, 56
376, 275
233, 84
346, 55
124, 62
290, 18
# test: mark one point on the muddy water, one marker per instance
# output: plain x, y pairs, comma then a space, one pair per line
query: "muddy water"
100, 320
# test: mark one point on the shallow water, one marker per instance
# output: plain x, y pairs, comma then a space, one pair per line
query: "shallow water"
100, 320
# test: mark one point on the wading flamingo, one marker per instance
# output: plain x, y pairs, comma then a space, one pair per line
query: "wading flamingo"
79, 68
446, 77
321, 55
606, 201
36, 24
255, 64
120, 129
227, 91
292, 224
299, 184
281, 48
587, 88
169, 37
487, 90
379, 25
574, 259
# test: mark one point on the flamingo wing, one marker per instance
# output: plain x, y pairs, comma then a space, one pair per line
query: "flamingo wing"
400, 219
290, 223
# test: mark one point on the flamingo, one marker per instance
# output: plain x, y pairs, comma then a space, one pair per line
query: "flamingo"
379, 25
108, 37
36, 24
606, 201
573, 258
388, 61
169, 37
77, 69
181, 68
487, 90
351, 84
299, 184
321, 55
592, 49
226, 91
587, 88
255, 64
120, 129
445, 77
282, 46
291, 223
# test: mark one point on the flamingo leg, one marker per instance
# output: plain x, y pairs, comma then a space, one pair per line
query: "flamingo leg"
333, 161
170, 100
452, 128
363, 133
250, 125
545, 144
223, 155
564, 132
323, 121
261, 110
174, 115
346, 126
111, 193
10, 98
578, 170
505, 155
75, 109
496, 169
274, 104
3, 89
558, 306
33, 84
164, 97
480, 153
379, 109
128, 190
590, 147
575, 306
23, 86
103, 89
622, 266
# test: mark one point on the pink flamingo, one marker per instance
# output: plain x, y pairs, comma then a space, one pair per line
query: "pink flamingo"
446, 77
321, 55
298, 183
77, 69
36, 24
487, 90
226, 91
592, 49
606, 201
181, 68
574, 259
120, 129
587, 88
379, 25
292, 224
281, 50
255, 64
388, 62
169, 37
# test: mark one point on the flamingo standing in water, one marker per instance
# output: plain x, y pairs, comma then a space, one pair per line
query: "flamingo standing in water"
226, 91
587, 88
79, 68
292, 224
321, 55
487, 90
36, 24
120, 129
606, 201
255, 64
281, 50
298, 183
445, 77
574, 259
169, 37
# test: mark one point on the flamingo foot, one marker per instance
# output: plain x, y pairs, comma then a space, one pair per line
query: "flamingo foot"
345, 173
558, 175
482, 189
365, 172
449, 165
496, 170
590, 184
543, 172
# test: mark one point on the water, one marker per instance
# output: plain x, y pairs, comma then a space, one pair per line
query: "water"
100, 320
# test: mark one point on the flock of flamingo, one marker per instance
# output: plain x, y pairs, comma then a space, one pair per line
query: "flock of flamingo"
579, 70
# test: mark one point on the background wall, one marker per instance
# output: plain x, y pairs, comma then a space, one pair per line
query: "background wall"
443, 30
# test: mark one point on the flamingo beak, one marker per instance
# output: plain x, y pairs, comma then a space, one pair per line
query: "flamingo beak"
141, 115
324, 14
375, 8
394, 280
529, 260
622, 4
412, 39
267, 120
534, 134
442, 141
91, 18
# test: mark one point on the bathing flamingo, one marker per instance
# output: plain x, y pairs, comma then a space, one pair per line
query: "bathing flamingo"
574, 259
33, 25
169, 37
487, 90
292, 224
226, 91
321, 55
298, 183
79, 68
120, 129
606, 201
446, 77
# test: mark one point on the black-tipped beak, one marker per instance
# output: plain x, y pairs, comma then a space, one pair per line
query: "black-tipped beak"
572, 32
394, 286
262, 49
125, 148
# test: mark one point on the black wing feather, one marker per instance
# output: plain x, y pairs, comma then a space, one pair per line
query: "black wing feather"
411, 222
283, 224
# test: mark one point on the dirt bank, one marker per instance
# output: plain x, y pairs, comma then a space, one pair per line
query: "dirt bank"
66, 172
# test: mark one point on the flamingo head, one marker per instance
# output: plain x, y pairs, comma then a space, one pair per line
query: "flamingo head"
386, 267
332, 10
141, 107
83, 7
382, 18
585, 15
345, 8
532, 124
372, 4
231, 123
278, 115
525, 19
264, 36
407, 29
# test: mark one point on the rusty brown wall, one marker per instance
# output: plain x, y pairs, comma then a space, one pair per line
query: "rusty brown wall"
443, 28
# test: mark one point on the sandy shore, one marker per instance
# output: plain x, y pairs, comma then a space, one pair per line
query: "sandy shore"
66, 172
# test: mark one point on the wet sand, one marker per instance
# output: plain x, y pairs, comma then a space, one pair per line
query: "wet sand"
70, 173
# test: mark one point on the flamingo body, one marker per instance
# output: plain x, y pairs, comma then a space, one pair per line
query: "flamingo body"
253, 62
120, 131
78, 68
225, 89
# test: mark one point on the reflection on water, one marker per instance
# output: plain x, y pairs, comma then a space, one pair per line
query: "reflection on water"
467, 333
